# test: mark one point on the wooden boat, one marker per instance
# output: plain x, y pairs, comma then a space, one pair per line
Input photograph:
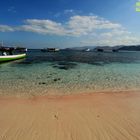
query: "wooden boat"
11, 57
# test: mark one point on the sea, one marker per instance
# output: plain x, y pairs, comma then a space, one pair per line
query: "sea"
70, 72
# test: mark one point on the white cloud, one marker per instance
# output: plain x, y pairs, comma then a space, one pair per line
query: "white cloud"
42, 27
6, 28
115, 32
94, 30
89, 23
84, 25
109, 39
76, 26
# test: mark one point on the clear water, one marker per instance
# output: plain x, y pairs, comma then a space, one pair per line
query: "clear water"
70, 72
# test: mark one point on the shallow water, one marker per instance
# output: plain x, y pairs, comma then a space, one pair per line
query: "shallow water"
70, 72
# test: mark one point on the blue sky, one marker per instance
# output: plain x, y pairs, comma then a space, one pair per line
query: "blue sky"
69, 23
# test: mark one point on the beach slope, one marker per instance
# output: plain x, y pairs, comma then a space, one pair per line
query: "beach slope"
104, 116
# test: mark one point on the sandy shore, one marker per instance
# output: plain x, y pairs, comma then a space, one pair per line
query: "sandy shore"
105, 116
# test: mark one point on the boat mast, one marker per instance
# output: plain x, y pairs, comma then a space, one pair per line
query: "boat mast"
1, 43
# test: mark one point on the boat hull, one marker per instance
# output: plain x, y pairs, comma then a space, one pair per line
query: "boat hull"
11, 57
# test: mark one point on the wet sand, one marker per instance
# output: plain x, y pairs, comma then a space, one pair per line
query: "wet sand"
102, 116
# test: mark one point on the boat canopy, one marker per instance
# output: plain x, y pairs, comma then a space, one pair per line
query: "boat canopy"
9, 49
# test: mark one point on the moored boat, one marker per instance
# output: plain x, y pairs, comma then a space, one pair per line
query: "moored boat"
11, 57
50, 50
11, 53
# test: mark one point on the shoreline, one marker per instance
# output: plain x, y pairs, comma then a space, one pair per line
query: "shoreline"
59, 94
106, 116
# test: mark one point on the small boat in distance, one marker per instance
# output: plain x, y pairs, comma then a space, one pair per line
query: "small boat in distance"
50, 50
86, 50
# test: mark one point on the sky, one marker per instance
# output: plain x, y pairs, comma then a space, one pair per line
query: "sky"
69, 23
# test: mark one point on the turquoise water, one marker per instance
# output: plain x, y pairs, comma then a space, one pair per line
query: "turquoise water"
70, 73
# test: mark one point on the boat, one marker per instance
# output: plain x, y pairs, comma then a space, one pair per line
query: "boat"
11, 53
50, 50
87, 50
11, 57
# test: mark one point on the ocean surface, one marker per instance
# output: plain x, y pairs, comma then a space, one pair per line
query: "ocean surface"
70, 72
